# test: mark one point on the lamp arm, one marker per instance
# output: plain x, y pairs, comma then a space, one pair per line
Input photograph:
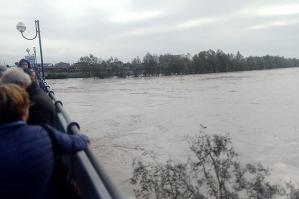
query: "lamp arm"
36, 30
29, 38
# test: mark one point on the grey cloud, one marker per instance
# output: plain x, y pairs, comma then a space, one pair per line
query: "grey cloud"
128, 28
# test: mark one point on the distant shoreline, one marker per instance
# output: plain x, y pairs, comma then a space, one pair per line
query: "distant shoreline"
70, 75
209, 61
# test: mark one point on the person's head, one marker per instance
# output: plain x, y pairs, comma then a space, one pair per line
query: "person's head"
16, 76
31, 73
2, 69
23, 63
14, 103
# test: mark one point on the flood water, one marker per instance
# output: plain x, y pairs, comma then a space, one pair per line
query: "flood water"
138, 117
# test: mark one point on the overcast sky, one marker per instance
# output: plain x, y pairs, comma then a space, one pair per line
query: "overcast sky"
129, 28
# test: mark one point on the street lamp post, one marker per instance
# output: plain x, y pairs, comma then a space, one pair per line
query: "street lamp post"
35, 61
21, 28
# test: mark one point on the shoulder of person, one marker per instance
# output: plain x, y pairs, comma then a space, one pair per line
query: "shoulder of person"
35, 129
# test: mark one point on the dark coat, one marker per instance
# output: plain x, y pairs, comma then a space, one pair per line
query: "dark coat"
27, 158
42, 110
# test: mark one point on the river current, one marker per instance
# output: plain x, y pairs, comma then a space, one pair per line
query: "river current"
135, 118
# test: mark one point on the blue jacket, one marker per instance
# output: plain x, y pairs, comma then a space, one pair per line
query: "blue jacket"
27, 159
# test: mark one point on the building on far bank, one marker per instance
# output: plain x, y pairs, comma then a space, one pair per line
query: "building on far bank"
45, 65
62, 65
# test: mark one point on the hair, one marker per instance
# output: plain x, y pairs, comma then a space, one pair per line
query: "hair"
14, 103
16, 76
24, 60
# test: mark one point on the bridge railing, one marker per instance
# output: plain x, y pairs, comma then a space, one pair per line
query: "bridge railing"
84, 167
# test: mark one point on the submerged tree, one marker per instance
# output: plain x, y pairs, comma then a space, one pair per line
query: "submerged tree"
214, 172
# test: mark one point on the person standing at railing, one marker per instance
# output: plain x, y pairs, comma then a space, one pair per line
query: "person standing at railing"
42, 110
32, 75
24, 64
27, 153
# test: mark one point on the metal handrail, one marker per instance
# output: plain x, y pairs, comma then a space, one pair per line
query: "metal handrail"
101, 185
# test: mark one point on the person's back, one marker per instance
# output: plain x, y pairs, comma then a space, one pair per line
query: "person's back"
42, 110
27, 161
26, 152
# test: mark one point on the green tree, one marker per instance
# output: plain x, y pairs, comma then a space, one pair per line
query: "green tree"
203, 62
89, 60
136, 67
150, 63
213, 173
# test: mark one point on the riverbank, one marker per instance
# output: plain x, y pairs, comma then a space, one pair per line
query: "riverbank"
69, 75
